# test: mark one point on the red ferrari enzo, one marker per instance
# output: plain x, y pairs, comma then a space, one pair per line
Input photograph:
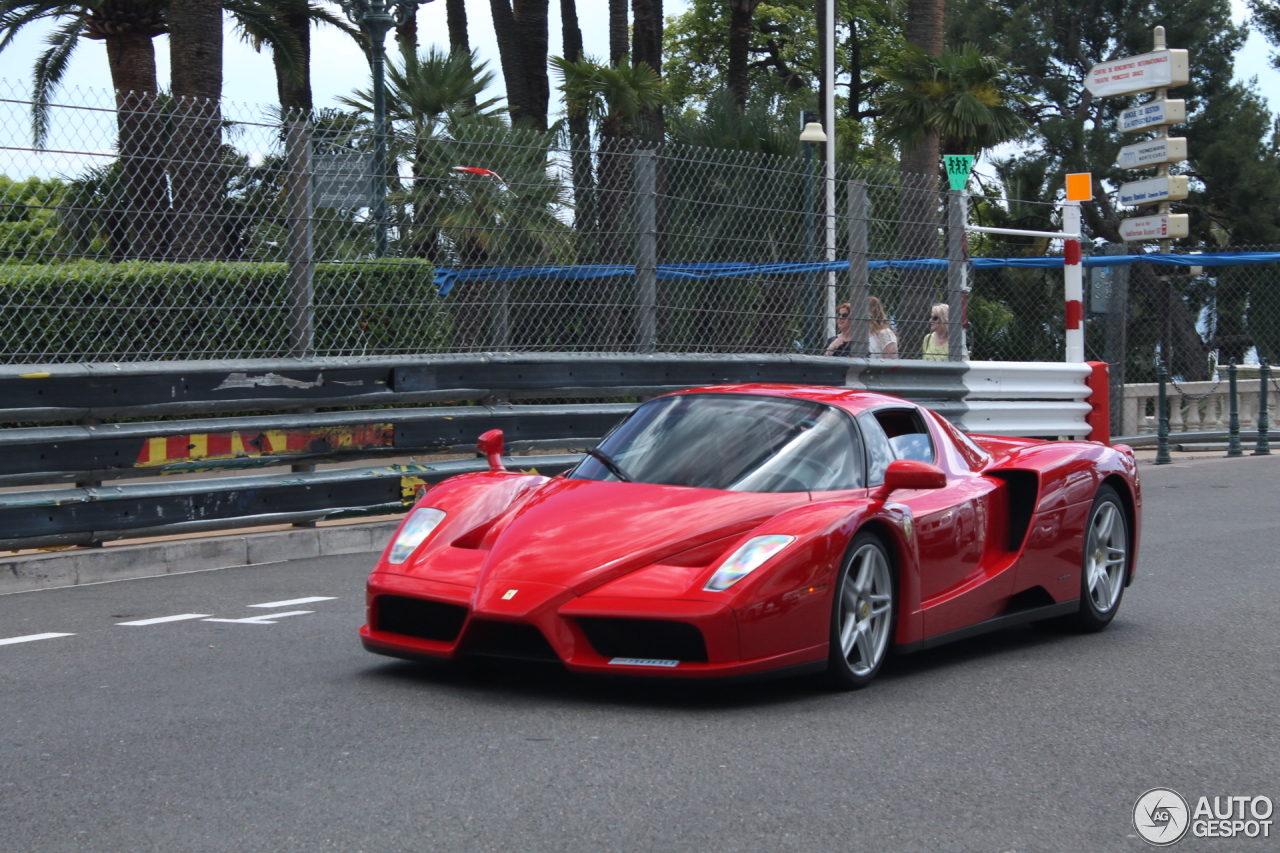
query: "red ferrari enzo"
747, 529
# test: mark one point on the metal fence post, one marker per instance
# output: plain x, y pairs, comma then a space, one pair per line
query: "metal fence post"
1263, 447
957, 214
1233, 425
1162, 420
859, 277
301, 245
1117, 329
646, 193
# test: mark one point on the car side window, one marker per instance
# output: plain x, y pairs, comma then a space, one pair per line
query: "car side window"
879, 451
907, 434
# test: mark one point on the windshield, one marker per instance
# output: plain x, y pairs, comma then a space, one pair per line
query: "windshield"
732, 442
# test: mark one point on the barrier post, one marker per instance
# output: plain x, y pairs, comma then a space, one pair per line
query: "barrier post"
1099, 418
859, 277
1233, 425
957, 216
646, 197
1263, 447
1073, 282
302, 312
1162, 420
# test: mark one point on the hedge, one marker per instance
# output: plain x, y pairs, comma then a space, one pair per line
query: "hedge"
139, 310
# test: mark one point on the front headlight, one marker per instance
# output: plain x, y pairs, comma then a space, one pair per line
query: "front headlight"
415, 531
742, 562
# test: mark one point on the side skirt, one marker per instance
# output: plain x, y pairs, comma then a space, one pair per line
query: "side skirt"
1009, 620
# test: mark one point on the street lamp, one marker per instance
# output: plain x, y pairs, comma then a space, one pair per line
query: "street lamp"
812, 134
376, 18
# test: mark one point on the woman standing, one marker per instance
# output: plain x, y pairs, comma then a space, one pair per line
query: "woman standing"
936, 346
882, 340
838, 344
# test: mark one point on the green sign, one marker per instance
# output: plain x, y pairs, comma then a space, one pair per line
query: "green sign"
958, 168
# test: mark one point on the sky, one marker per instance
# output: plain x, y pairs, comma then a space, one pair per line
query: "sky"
338, 66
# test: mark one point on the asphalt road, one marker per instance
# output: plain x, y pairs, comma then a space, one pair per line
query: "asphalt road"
284, 735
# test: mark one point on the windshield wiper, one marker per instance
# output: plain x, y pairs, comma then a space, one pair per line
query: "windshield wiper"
607, 461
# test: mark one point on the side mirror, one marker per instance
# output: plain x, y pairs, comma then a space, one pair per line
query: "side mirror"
909, 474
490, 444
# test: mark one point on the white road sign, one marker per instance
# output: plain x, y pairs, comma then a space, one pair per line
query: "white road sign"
1169, 226
1153, 114
1153, 152
1133, 74
341, 179
1153, 190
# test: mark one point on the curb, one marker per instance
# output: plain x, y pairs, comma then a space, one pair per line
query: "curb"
125, 562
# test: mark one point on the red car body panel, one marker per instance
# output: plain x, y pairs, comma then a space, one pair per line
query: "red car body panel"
554, 554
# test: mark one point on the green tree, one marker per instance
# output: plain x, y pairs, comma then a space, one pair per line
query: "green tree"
127, 28
28, 219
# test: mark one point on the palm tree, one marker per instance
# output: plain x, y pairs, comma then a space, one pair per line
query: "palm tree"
959, 96
959, 100
741, 17
127, 27
613, 99
423, 91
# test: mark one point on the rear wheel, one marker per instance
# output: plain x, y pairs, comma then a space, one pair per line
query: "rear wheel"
862, 614
1106, 561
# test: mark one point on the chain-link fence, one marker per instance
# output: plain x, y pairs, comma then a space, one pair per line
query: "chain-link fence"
146, 228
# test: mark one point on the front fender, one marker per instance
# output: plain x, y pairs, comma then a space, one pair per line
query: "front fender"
786, 603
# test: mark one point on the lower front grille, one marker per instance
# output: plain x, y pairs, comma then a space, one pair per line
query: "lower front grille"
645, 638
507, 640
418, 617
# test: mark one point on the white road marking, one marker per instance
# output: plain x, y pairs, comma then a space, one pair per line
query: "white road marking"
29, 638
161, 619
293, 602
264, 619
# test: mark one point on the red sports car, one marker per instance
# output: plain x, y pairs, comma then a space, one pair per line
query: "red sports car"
747, 529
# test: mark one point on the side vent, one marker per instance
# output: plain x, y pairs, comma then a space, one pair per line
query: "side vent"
1024, 492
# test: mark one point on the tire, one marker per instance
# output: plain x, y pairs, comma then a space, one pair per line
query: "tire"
1105, 562
863, 614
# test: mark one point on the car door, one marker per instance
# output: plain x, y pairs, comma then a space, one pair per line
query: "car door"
951, 523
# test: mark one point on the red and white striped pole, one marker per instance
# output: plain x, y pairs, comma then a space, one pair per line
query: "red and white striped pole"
1073, 281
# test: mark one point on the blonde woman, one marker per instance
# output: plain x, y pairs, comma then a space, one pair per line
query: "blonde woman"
936, 346
882, 340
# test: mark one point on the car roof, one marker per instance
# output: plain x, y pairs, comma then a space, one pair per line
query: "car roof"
848, 399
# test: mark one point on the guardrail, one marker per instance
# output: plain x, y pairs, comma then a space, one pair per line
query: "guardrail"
543, 404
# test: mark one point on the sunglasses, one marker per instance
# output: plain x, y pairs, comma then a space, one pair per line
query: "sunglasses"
935, 319
843, 315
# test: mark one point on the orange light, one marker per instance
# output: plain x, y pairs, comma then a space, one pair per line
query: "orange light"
1080, 186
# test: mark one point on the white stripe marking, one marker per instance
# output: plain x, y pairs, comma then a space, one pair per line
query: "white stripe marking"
264, 619
29, 638
293, 602
160, 619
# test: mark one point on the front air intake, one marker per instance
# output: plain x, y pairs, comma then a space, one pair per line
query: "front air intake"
645, 638
419, 617
507, 640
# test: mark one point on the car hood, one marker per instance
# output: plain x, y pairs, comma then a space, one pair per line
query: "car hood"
580, 534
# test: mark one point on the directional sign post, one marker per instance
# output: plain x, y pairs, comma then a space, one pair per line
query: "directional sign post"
1159, 70
1167, 226
1153, 152
1154, 190
1153, 114
1133, 74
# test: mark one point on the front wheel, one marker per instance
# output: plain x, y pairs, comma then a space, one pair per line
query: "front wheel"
862, 614
1105, 562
